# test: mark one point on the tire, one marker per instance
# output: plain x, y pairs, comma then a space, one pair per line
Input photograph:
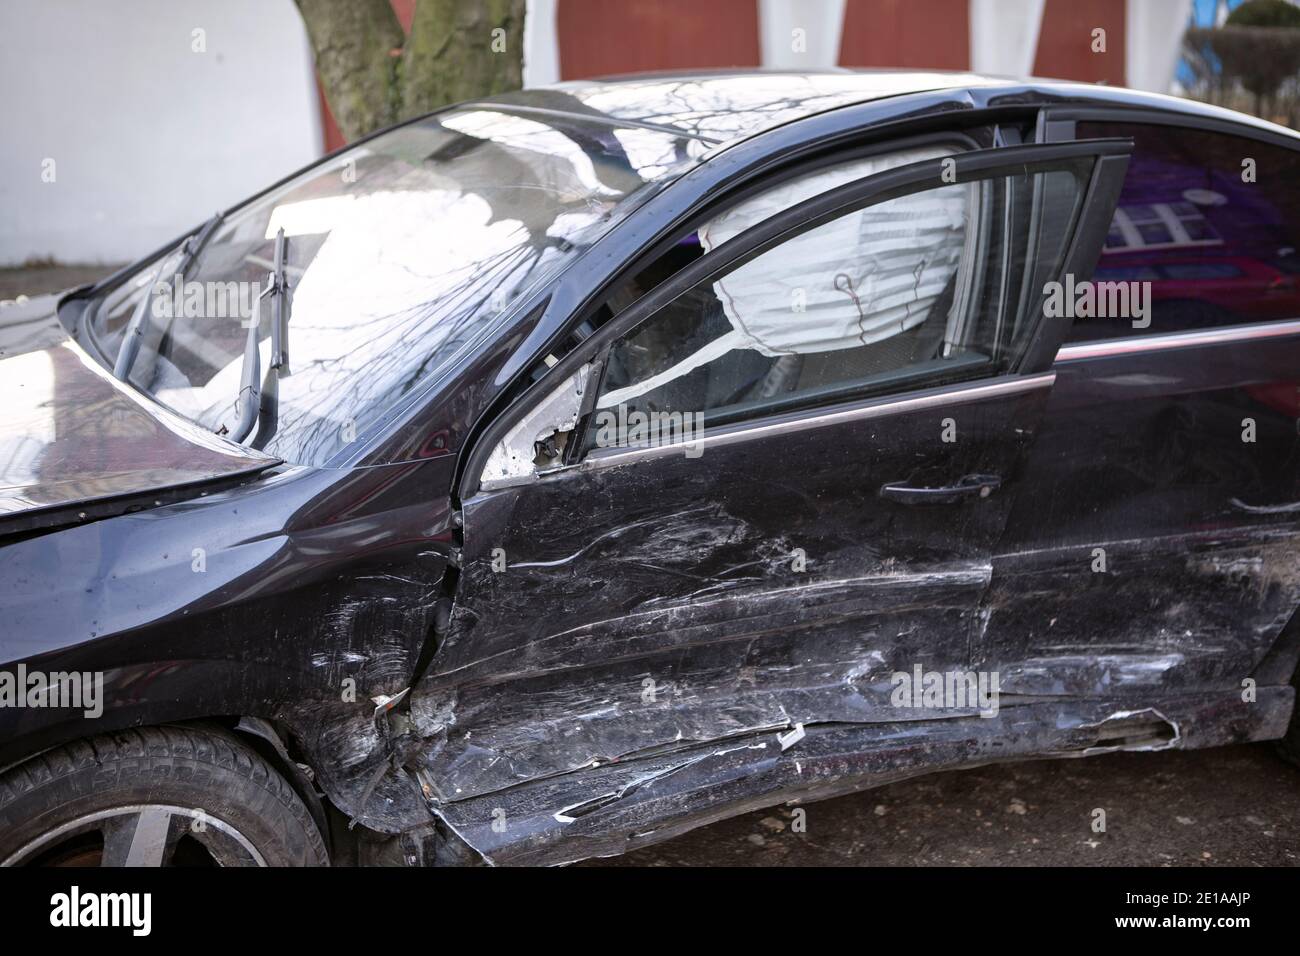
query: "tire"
157, 796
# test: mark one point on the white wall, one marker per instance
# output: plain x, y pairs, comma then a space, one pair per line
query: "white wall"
541, 43
822, 22
148, 137
1004, 36
1153, 42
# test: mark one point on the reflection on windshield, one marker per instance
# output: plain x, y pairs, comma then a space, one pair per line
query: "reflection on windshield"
399, 253
723, 107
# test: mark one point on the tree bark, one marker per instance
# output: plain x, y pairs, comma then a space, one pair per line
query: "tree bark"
374, 75
355, 43
461, 50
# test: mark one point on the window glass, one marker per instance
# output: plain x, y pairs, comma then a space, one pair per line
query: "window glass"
1211, 221
401, 252
913, 290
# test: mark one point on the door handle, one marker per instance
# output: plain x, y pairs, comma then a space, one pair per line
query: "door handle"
970, 486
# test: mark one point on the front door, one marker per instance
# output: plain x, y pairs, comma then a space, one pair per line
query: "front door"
772, 485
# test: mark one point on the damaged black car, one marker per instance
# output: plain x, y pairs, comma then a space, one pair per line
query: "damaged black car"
559, 472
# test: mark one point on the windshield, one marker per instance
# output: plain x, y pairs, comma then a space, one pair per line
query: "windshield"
400, 251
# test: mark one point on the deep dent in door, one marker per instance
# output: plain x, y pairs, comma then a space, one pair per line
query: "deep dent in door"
757, 685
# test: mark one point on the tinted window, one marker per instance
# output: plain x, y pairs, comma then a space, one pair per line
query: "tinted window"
911, 291
1216, 248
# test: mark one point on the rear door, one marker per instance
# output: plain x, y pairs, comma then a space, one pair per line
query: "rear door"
1157, 548
771, 484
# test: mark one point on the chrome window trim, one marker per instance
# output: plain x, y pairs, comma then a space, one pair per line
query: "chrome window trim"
1177, 340
877, 408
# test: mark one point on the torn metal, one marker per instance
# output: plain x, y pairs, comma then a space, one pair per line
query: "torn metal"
539, 439
610, 808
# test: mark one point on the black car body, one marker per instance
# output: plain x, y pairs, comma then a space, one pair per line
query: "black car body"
470, 620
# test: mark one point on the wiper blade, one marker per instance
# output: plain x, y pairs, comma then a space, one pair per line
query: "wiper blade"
251, 394
135, 329
278, 289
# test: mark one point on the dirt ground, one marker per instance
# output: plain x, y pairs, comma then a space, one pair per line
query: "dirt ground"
41, 279
1228, 806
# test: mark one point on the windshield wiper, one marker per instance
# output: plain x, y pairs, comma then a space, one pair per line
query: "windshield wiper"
135, 329
251, 394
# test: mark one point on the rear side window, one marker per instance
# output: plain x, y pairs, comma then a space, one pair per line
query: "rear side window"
1211, 221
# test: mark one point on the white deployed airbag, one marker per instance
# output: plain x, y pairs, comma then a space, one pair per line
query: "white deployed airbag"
858, 279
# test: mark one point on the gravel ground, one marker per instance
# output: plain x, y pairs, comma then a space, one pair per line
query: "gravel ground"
1227, 806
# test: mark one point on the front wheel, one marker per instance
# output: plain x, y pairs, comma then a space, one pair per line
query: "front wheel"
159, 796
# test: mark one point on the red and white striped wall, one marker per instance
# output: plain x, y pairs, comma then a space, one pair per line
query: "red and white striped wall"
573, 39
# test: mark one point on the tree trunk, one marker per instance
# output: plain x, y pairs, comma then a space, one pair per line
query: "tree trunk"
461, 50
374, 75
356, 42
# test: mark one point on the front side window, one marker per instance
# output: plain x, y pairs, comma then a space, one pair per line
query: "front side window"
399, 253
1210, 221
924, 288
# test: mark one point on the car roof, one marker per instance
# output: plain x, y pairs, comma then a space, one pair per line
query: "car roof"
724, 106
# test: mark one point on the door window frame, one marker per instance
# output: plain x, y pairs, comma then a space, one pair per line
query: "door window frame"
1087, 233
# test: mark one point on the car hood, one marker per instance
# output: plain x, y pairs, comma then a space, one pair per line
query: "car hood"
77, 443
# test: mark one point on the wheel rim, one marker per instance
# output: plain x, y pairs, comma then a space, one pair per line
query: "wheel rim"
140, 835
